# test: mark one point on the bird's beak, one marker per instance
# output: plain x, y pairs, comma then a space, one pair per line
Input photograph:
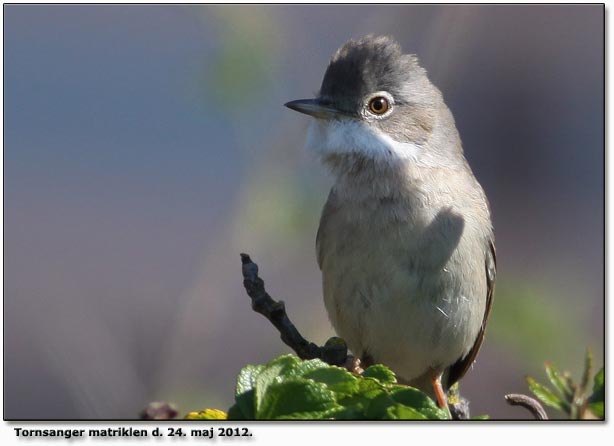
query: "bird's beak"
313, 107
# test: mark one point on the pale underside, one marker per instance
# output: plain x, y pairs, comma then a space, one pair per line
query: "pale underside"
403, 265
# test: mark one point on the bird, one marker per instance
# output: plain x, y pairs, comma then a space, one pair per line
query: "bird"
405, 242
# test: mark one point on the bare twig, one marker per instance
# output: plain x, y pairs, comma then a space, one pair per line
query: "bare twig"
531, 404
335, 350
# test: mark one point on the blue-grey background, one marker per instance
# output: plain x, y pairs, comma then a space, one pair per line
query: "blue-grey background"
146, 146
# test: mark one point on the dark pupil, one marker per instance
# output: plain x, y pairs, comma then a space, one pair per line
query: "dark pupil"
379, 104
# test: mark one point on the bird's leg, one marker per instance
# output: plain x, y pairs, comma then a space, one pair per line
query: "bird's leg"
440, 394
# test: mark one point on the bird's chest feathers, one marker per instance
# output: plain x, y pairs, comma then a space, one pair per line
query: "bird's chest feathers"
392, 274
390, 253
408, 233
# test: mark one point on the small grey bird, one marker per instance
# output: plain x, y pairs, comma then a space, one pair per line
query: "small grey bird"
405, 243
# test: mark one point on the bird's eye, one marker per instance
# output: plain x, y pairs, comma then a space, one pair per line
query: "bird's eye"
379, 105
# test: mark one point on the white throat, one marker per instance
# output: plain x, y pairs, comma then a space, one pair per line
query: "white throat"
345, 136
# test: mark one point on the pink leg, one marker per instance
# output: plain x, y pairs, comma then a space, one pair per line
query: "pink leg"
442, 400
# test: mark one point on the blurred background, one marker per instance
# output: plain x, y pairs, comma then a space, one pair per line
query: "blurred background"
146, 146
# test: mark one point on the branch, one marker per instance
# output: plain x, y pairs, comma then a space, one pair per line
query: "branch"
532, 405
334, 352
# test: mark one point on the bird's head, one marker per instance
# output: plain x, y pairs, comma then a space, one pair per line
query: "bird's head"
376, 103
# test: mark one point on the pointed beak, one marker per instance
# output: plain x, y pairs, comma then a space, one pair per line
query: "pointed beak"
313, 107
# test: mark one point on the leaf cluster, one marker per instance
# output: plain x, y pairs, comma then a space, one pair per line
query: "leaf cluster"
288, 388
576, 401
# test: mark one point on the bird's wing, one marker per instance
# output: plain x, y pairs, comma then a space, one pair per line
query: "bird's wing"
460, 367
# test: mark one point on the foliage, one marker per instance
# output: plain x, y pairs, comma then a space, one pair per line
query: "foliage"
576, 401
288, 388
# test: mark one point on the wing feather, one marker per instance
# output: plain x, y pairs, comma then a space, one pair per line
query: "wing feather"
460, 367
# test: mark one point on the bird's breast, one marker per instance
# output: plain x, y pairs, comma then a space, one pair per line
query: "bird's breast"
395, 285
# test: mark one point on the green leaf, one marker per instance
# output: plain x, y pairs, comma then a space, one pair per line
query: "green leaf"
247, 378
402, 412
598, 394
299, 369
596, 402
403, 403
597, 409
380, 372
339, 380
561, 382
377, 407
358, 402
235, 413
368, 388
245, 406
272, 373
546, 396
420, 401
347, 413
296, 399
288, 388
284, 362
